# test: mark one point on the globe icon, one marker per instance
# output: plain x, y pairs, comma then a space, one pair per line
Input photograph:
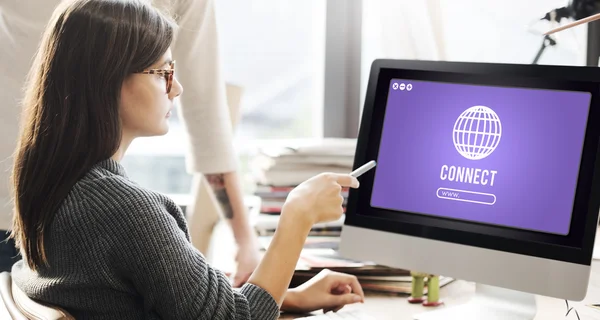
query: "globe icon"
477, 132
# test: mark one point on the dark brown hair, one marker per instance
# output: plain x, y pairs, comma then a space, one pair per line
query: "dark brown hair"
71, 105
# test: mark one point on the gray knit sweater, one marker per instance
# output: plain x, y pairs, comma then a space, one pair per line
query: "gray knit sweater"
119, 251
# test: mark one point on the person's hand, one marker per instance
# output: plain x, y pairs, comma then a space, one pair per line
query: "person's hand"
247, 259
328, 290
319, 199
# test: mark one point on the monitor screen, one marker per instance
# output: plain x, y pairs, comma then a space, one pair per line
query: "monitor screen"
488, 154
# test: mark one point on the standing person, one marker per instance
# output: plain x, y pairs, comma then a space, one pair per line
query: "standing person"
21, 26
206, 117
203, 108
93, 241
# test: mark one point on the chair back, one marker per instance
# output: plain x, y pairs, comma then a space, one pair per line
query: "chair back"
8, 309
21, 307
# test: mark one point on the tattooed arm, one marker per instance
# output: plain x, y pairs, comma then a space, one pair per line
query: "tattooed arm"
217, 182
228, 191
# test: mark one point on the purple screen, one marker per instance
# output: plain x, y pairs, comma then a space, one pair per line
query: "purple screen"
494, 155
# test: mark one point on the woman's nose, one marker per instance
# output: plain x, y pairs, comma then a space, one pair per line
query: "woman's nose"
176, 89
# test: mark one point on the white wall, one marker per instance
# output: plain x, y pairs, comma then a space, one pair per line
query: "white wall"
465, 30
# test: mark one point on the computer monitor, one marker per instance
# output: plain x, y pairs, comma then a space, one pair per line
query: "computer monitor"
486, 173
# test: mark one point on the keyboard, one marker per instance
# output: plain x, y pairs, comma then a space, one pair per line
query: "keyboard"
342, 315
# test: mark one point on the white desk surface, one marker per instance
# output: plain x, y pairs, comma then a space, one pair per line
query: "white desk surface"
457, 292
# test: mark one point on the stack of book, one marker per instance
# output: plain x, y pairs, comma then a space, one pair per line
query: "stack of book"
279, 168
322, 253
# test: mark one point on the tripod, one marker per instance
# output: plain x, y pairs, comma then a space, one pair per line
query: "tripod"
575, 9
548, 41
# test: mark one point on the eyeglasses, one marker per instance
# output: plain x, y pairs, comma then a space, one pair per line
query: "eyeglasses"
167, 73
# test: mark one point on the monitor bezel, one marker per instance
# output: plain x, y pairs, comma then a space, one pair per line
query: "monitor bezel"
574, 248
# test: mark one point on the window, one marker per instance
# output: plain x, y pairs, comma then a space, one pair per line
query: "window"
275, 50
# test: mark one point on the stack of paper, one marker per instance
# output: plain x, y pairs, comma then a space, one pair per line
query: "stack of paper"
290, 164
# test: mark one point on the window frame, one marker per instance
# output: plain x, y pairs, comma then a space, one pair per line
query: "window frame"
343, 37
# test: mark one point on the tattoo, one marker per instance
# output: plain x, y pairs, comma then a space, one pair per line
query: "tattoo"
217, 182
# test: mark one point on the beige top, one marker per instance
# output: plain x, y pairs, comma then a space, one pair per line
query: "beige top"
203, 104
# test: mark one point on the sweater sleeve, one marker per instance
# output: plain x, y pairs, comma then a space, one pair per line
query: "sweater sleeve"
203, 105
152, 252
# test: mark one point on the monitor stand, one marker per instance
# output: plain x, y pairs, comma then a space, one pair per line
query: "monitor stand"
489, 303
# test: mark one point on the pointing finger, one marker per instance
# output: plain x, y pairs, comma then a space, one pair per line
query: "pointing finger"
346, 180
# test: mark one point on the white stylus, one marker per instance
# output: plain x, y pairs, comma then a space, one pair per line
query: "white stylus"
364, 168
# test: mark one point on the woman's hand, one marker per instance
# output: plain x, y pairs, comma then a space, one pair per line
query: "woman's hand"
247, 259
318, 199
327, 290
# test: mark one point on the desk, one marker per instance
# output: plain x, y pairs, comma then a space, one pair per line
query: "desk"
457, 292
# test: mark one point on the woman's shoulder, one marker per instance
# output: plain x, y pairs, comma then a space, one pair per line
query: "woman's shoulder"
106, 188
107, 202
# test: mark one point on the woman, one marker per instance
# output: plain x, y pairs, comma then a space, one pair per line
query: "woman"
97, 244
